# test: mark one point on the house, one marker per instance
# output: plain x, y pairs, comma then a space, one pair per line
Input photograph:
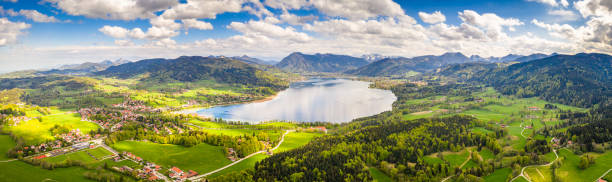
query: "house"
153, 178
191, 174
533, 108
175, 172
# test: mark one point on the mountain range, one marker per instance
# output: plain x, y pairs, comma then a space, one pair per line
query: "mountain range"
83, 68
194, 68
299, 62
580, 80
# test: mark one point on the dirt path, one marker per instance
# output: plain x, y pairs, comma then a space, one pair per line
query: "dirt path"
604, 174
538, 170
199, 177
466, 160
461, 166
523, 169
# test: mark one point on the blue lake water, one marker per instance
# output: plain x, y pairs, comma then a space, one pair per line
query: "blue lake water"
330, 100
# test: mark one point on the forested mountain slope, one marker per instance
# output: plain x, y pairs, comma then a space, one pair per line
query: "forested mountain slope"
299, 62
195, 68
401, 65
579, 80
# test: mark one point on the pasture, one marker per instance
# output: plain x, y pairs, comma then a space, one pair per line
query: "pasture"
201, 158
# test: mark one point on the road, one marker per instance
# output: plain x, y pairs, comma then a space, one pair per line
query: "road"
196, 178
604, 174
461, 166
523, 169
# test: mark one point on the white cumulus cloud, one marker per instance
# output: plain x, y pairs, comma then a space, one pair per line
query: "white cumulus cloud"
10, 31
433, 18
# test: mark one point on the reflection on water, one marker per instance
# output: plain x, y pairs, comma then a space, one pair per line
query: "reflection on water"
331, 100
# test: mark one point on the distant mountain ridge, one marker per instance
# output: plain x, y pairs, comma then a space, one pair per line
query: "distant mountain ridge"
299, 62
422, 64
83, 68
194, 68
580, 80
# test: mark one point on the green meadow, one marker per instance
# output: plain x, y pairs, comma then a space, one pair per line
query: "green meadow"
84, 156
296, 139
242, 165
378, 175
6, 143
17, 171
37, 131
498, 175
292, 140
201, 158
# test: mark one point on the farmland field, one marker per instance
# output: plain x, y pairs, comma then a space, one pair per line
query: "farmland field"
35, 131
201, 158
6, 143
83, 156
18, 171
295, 140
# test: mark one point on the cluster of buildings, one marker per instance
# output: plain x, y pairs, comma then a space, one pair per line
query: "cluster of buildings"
108, 119
178, 175
76, 136
131, 156
14, 121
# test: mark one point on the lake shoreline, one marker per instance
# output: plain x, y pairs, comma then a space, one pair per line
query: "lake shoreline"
195, 109
335, 100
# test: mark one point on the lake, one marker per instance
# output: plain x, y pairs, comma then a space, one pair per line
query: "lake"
330, 100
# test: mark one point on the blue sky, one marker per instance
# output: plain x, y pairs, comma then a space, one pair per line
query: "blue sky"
47, 33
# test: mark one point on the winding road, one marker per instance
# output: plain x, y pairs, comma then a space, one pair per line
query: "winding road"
523, 169
196, 178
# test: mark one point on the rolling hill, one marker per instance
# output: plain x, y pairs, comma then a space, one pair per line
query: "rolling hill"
579, 80
401, 65
298, 62
195, 68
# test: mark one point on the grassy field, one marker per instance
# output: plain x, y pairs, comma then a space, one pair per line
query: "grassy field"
498, 175
18, 171
35, 131
456, 159
245, 164
570, 171
295, 140
378, 175
6, 143
432, 160
83, 156
292, 140
201, 158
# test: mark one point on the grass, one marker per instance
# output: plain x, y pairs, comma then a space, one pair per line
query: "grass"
243, 165
18, 171
535, 175
82, 156
296, 139
486, 154
498, 175
201, 158
6, 143
432, 160
569, 171
292, 140
456, 159
35, 131
480, 130
379, 175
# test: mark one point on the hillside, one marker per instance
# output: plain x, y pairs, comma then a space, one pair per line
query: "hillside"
299, 62
84, 68
579, 80
465, 71
401, 66
195, 68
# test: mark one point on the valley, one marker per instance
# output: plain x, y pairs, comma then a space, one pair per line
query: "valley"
147, 120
